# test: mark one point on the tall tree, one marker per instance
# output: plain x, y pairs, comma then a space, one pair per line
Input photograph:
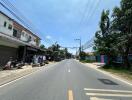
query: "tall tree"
122, 26
105, 23
55, 47
104, 38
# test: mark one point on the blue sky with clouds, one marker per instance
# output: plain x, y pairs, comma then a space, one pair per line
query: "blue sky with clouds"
64, 20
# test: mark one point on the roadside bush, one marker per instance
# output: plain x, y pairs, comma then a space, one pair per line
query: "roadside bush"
87, 61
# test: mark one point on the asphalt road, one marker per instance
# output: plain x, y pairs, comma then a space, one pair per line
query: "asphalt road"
66, 80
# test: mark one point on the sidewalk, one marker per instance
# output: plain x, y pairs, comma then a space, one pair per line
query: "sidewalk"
95, 65
10, 75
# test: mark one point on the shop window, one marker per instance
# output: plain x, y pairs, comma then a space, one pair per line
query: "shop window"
5, 24
22, 33
14, 33
30, 38
26, 35
10, 27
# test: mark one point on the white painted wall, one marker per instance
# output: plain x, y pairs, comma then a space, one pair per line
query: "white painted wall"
5, 29
32, 40
25, 35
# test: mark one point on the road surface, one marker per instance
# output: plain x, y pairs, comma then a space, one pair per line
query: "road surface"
66, 80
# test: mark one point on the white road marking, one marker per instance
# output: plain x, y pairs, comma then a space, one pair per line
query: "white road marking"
109, 95
68, 65
69, 70
97, 98
93, 98
106, 90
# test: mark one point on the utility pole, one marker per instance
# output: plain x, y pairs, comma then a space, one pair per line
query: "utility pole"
80, 48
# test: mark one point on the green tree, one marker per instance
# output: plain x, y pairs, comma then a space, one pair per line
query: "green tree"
42, 46
105, 23
82, 55
55, 47
104, 39
122, 26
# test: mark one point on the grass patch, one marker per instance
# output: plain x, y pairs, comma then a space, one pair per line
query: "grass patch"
126, 74
87, 61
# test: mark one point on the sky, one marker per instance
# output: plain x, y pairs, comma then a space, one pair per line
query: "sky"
63, 21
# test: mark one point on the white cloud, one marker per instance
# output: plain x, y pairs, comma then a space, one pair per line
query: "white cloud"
48, 37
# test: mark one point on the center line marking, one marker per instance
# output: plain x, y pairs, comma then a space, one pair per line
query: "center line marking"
70, 95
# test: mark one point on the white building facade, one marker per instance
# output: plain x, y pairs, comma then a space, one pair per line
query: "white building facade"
15, 40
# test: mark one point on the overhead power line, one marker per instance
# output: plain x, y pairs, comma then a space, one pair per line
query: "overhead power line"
20, 17
88, 44
70, 47
89, 16
17, 17
16, 10
14, 15
94, 10
86, 10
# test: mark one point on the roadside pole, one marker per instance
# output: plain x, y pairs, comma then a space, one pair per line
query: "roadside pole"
80, 48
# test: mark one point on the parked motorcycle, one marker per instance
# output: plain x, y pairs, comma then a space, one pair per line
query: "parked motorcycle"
13, 64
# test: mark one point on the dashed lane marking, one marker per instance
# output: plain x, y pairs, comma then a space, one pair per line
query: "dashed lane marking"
69, 70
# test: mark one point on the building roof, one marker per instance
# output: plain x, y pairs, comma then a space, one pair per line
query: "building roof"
14, 21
